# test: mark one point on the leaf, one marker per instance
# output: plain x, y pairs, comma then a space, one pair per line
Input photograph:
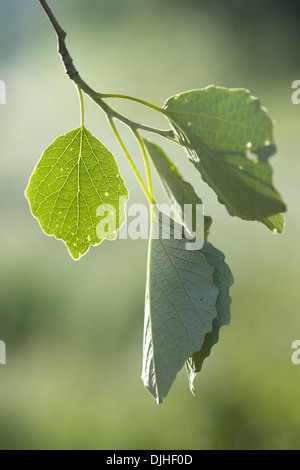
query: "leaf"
178, 190
75, 184
180, 306
182, 192
219, 126
223, 279
276, 223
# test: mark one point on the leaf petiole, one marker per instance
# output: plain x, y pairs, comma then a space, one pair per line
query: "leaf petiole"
131, 98
130, 161
81, 106
146, 161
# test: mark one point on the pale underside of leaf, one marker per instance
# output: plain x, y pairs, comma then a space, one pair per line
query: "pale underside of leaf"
228, 137
76, 176
180, 308
179, 191
223, 279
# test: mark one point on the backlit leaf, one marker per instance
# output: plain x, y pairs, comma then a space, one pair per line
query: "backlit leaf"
276, 223
76, 192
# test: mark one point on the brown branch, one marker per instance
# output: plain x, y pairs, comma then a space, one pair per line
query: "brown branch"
59, 31
61, 38
73, 74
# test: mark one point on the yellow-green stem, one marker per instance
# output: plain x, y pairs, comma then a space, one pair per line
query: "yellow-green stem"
81, 106
131, 98
146, 160
130, 161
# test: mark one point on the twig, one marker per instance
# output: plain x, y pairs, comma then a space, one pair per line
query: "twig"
61, 36
74, 75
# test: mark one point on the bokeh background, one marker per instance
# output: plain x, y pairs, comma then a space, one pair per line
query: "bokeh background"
74, 330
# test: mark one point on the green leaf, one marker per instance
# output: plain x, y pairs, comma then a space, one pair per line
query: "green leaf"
276, 223
76, 192
228, 137
178, 190
223, 279
181, 192
180, 306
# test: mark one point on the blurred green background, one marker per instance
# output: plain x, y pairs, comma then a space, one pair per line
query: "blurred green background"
74, 330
